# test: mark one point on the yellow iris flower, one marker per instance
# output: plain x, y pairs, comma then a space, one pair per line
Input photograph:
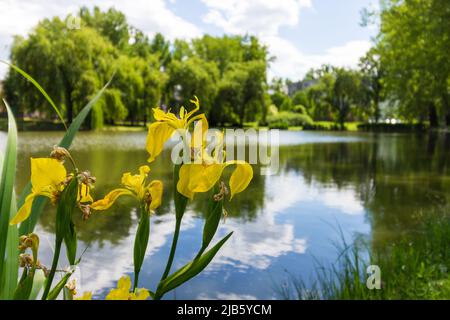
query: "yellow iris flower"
86, 296
167, 123
48, 178
201, 177
123, 291
134, 185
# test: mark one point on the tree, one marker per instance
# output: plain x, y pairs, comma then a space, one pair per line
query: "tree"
413, 46
192, 76
300, 98
372, 81
345, 93
334, 93
73, 64
111, 24
62, 60
228, 73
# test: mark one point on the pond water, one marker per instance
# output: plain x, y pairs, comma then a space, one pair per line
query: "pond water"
329, 185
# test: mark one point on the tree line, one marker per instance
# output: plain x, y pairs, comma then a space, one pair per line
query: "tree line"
227, 73
405, 75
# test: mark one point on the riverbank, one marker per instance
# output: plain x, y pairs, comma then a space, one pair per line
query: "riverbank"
55, 125
414, 266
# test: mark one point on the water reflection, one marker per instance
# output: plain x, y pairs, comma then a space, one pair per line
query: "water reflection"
376, 185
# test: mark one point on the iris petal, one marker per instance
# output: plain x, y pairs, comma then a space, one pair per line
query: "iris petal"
156, 190
46, 172
24, 211
110, 198
240, 178
198, 178
158, 134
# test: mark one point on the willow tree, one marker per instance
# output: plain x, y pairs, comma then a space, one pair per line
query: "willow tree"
70, 64
192, 76
140, 83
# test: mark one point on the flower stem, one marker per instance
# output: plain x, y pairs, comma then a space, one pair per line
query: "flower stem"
172, 249
180, 206
53, 269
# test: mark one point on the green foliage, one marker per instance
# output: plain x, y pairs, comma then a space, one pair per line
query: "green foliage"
228, 74
284, 120
413, 47
300, 98
190, 270
8, 234
140, 243
299, 109
281, 101
38, 86
193, 76
414, 266
27, 226
78, 61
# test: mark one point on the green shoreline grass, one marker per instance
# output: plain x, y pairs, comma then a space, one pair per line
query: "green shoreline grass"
415, 266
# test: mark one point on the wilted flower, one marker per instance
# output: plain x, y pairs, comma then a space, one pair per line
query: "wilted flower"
59, 153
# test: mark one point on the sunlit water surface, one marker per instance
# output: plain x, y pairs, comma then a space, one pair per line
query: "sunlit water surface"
329, 185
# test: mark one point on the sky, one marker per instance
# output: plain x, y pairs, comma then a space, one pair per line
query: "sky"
301, 34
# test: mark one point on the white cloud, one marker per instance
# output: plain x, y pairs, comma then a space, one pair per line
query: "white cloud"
151, 16
226, 296
265, 18
262, 17
148, 15
292, 63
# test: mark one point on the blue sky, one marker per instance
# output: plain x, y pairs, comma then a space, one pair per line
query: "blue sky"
300, 33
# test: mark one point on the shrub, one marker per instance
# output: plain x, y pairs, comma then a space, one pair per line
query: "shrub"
284, 119
299, 109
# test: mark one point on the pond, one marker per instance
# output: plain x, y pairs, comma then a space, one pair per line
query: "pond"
329, 186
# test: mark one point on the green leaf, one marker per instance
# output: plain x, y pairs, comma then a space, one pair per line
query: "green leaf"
39, 203
25, 285
214, 213
12, 257
66, 205
70, 240
38, 86
59, 286
38, 283
190, 270
6, 191
140, 243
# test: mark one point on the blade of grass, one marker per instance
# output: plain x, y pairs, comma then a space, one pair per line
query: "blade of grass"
38, 86
38, 283
39, 202
6, 190
12, 256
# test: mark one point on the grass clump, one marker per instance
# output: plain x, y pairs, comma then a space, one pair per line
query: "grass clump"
415, 266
